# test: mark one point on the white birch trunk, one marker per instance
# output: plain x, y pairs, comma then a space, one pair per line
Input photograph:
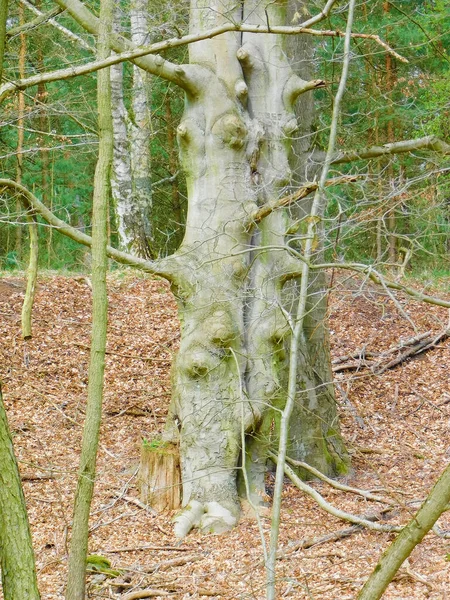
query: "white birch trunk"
131, 177
140, 136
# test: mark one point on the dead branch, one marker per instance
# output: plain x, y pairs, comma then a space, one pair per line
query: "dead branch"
34, 205
336, 485
329, 508
330, 537
148, 593
359, 420
172, 562
30, 477
39, 20
147, 547
416, 345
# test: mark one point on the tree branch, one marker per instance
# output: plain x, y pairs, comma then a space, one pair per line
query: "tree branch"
411, 535
163, 267
369, 272
429, 142
177, 74
153, 64
306, 189
41, 18
329, 508
336, 484
70, 34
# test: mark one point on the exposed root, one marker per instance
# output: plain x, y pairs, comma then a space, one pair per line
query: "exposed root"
209, 517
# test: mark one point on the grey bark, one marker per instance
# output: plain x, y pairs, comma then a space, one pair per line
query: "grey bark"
235, 147
314, 431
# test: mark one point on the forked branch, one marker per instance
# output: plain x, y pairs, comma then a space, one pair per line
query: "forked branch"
329, 508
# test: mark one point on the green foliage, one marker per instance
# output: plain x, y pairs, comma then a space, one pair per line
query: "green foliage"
155, 444
403, 198
101, 564
60, 140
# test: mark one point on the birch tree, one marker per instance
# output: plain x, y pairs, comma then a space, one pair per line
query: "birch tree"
131, 176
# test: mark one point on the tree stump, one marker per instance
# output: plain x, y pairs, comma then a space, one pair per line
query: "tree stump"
159, 475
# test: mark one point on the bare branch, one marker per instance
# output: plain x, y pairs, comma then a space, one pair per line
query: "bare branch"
377, 278
153, 64
177, 74
41, 18
329, 508
70, 34
306, 189
429, 142
162, 267
336, 484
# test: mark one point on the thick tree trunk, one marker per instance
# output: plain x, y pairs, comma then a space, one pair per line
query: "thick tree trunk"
314, 428
235, 141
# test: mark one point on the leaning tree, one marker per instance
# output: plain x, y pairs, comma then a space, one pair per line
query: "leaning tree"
248, 230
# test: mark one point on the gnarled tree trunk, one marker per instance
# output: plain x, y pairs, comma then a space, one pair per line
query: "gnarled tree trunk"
235, 142
230, 272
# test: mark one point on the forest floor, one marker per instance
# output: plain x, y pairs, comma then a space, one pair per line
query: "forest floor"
396, 426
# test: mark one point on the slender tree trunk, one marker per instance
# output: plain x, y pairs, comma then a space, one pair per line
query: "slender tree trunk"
79, 540
131, 177
140, 135
391, 217
16, 550
410, 536
43, 125
3, 17
20, 130
121, 184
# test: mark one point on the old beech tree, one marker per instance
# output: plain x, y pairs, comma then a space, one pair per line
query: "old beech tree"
234, 276
230, 275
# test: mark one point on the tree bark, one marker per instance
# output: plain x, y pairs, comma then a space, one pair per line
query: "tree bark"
159, 475
16, 550
140, 136
411, 535
235, 146
131, 176
79, 541
3, 17
20, 131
